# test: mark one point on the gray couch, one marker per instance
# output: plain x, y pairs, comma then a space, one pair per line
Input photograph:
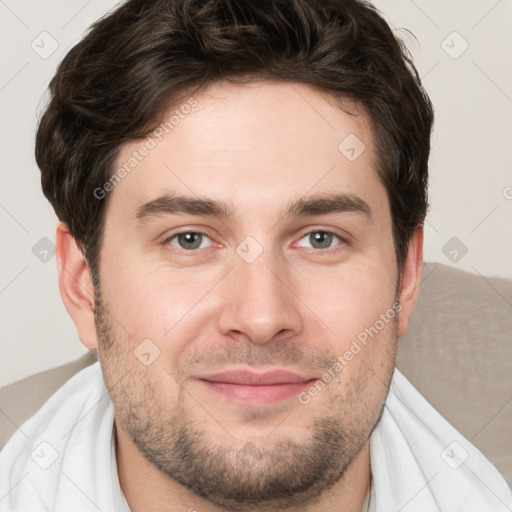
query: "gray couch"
457, 352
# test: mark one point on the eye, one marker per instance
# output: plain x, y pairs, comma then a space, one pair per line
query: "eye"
192, 240
188, 240
321, 239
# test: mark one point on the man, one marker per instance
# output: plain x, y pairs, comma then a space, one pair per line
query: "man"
241, 189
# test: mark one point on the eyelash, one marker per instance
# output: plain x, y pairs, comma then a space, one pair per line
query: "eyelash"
192, 252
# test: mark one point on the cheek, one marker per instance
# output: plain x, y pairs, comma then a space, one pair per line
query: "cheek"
349, 301
162, 305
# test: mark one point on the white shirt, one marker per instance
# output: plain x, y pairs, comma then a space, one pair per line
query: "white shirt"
63, 458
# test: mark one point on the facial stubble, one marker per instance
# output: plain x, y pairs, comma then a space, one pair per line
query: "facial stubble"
276, 472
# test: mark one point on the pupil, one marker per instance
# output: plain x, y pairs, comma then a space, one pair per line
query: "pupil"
321, 237
190, 240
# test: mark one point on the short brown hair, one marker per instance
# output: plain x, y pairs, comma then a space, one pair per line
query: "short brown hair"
112, 86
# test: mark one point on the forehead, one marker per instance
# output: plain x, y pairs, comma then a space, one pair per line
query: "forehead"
254, 144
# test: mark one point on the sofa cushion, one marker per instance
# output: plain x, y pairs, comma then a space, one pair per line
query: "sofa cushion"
458, 352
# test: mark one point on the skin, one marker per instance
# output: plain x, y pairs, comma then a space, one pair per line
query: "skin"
181, 445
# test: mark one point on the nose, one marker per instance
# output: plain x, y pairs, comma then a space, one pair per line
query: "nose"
260, 304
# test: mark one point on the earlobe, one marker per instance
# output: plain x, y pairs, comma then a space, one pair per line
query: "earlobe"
75, 285
411, 276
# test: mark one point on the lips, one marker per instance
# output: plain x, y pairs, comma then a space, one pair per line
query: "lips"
256, 388
256, 379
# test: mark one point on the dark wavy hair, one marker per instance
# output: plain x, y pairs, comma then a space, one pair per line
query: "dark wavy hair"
114, 85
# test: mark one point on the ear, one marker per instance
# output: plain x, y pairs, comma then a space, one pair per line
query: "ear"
75, 285
411, 276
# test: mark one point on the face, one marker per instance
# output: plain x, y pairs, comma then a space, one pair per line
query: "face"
228, 322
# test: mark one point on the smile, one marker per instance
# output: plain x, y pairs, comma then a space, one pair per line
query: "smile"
256, 389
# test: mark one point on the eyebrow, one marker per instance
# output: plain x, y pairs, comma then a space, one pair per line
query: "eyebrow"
312, 205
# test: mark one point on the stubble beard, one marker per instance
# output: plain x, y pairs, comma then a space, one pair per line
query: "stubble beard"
239, 474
